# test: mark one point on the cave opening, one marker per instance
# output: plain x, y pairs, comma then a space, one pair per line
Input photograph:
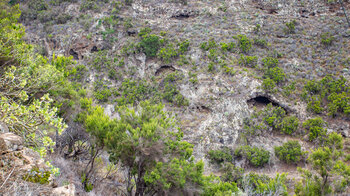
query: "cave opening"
164, 68
262, 101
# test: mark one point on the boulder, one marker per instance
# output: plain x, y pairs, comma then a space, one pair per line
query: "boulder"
10, 142
68, 190
3, 128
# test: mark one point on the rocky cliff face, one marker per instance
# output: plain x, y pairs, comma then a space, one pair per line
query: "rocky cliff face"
220, 90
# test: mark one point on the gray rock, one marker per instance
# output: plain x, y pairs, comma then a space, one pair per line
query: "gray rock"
3, 128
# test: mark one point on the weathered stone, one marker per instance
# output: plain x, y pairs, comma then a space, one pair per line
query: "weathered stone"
68, 190
10, 142
3, 128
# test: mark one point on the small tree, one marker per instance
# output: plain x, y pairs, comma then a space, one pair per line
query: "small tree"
149, 145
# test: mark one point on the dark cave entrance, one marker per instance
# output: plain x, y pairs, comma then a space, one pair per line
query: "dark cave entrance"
165, 68
261, 101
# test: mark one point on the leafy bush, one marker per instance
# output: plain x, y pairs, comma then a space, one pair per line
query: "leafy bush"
260, 42
248, 61
273, 116
173, 95
289, 152
231, 173
257, 157
244, 43
329, 92
211, 44
315, 128
269, 85
276, 74
167, 53
289, 125
327, 39
290, 27
270, 62
132, 92
255, 184
150, 44
149, 134
37, 175
314, 105
220, 156
227, 46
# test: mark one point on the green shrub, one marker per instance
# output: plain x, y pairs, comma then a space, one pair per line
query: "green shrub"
255, 184
88, 5
260, 42
289, 125
257, 28
220, 156
257, 157
273, 116
150, 45
314, 105
315, 127
244, 43
173, 95
329, 93
183, 47
289, 152
327, 39
248, 61
167, 53
231, 173
290, 27
276, 74
270, 62
269, 85
208, 45
227, 46
132, 92
37, 175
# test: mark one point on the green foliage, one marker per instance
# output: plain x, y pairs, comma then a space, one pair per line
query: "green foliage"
184, 46
315, 127
248, 61
260, 42
132, 92
227, 46
244, 43
255, 184
23, 110
273, 116
269, 85
148, 134
276, 74
329, 92
173, 95
88, 5
85, 181
290, 27
327, 39
211, 44
289, 152
215, 187
314, 105
167, 53
289, 125
150, 44
270, 62
231, 173
326, 162
37, 175
257, 157
220, 156
257, 28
